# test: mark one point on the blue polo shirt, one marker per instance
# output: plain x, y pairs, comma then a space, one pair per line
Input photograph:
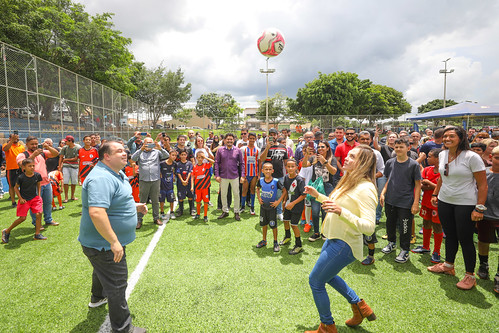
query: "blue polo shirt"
107, 189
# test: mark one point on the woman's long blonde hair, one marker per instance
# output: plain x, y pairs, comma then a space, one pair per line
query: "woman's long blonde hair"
365, 169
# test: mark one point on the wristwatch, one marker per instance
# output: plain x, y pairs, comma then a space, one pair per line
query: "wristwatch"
480, 208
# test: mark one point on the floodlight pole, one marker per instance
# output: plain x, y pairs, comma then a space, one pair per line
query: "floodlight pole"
267, 71
445, 72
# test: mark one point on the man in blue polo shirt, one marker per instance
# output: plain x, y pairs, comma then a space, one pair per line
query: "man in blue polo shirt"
109, 217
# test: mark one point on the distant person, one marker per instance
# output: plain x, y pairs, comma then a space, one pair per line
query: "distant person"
12, 148
68, 165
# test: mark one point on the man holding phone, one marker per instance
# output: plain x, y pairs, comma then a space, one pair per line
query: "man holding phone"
135, 142
12, 148
148, 158
308, 141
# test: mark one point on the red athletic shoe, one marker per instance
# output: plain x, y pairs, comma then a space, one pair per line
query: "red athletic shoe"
307, 228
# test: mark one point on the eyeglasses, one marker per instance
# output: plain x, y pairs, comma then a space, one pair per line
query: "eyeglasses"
446, 171
349, 133
321, 147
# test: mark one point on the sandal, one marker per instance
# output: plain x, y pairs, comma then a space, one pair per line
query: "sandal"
74, 199
65, 201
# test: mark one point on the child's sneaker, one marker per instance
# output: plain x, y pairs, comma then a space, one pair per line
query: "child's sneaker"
442, 268
5, 236
389, 248
252, 210
162, 216
62, 207
285, 241
277, 248
314, 237
54, 208
195, 217
307, 227
260, 244
193, 212
483, 271
435, 258
303, 222
421, 250
402, 257
368, 261
205, 219
295, 250
39, 237
172, 216
468, 282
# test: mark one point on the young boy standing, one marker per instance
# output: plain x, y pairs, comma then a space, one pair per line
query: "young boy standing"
183, 172
400, 196
167, 170
56, 179
251, 162
266, 192
428, 212
28, 189
201, 182
293, 194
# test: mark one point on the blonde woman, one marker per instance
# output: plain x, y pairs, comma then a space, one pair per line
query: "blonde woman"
351, 212
486, 156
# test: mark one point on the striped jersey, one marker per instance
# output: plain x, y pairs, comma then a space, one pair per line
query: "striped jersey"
250, 156
202, 176
87, 158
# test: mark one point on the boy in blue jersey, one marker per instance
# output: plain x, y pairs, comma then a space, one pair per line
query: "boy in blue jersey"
183, 173
266, 192
167, 169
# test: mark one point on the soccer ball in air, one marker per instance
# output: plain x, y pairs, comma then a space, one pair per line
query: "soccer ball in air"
271, 42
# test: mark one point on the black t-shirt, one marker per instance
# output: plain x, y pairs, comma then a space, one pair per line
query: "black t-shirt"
28, 186
386, 152
401, 178
295, 188
276, 155
320, 170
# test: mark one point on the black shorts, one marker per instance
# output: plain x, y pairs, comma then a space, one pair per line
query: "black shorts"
371, 239
293, 218
167, 195
488, 231
11, 176
183, 192
268, 216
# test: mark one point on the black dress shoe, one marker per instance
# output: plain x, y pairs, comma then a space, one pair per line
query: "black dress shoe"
237, 217
224, 215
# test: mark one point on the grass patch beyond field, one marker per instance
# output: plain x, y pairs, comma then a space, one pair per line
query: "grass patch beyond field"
209, 277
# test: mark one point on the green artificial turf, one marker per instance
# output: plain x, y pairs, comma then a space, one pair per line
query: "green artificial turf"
209, 277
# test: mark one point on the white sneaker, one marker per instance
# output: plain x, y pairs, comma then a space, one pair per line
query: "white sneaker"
98, 303
172, 216
389, 248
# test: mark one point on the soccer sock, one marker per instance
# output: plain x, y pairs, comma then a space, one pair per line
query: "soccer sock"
206, 209
198, 208
287, 233
243, 202
308, 214
438, 241
298, 241
371, 252
252, 199
181, 206
484, 260
191, 205
426, 238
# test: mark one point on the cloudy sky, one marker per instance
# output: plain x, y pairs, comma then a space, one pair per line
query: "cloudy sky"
396, 43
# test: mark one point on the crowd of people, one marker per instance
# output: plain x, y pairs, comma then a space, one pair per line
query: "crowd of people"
332, 188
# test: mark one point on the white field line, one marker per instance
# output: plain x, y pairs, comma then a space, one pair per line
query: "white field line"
134, 278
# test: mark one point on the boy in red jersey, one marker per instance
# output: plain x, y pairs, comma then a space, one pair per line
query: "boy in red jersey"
132, 172
428, 212
88, 157
56, 181
201, 182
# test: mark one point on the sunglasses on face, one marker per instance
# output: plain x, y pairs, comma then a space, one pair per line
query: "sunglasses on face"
349, 133
321, 147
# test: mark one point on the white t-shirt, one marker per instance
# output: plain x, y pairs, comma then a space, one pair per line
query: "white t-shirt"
459, 187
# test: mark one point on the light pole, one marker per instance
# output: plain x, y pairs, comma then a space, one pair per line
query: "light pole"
445, 72
267, 71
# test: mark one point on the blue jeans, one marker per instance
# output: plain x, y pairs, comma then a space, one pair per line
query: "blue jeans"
1, 187
47, 204
335, 255
380, 182
317, 209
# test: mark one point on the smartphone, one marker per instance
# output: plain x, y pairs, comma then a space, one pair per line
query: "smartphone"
16, 132
40, 146
151, 145
271, 139
143, 133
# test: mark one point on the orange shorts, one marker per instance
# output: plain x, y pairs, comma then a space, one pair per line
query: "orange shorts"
429, 214
202, 195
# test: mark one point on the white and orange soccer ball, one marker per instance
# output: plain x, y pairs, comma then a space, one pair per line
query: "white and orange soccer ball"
271, 42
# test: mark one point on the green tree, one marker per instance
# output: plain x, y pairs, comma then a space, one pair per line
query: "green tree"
436, 104
163, 90
278, 109
219, 108
185, 115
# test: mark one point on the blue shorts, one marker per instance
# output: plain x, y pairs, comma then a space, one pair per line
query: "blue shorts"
250, 178
167, 195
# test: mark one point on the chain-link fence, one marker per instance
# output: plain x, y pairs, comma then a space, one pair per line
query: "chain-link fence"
45, 100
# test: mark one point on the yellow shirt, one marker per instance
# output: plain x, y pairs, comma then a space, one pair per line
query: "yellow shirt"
358, 216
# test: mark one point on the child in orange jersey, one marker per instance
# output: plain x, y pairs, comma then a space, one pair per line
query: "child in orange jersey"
201, 182
56, 180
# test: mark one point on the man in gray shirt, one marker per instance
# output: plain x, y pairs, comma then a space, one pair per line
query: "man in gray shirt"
148, 158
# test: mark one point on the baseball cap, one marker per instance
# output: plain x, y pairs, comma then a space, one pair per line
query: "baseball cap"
69, 138
273, 130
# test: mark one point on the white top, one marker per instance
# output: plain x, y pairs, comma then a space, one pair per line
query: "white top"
459, 187
358, 216
380, 163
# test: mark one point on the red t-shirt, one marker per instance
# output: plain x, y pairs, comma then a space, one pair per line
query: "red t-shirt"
342, 151
87, 158
429, 174
201, 176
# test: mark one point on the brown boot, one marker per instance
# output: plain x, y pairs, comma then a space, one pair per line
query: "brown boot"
323, 328
360, 311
